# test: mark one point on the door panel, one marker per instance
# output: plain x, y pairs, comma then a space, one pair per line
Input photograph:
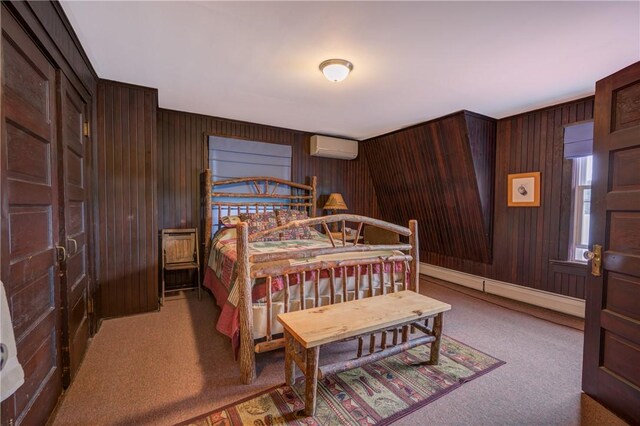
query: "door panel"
625, 176
620, 292
75, 287
611, 371
625, 106
29, 217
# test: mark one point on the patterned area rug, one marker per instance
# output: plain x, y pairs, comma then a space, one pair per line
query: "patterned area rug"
378, 393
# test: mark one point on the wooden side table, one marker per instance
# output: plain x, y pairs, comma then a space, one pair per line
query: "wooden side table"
350, 237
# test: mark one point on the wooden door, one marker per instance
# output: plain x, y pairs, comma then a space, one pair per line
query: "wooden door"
73, 225
611, 371
29, 215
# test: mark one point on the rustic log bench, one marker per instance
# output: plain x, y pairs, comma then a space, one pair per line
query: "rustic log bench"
307, 330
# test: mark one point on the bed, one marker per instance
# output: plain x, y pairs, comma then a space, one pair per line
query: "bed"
256, 275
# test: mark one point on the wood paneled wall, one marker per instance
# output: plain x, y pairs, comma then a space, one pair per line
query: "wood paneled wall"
440, 173
127, 164
182, 156
530, 245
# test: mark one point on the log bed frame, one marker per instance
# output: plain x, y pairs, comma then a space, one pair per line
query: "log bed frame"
261, 191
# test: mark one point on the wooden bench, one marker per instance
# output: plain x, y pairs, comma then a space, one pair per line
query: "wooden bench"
307, 330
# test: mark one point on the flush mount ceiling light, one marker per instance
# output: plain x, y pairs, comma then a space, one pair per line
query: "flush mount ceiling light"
336, 69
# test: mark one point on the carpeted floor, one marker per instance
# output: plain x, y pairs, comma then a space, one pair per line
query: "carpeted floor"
166, 367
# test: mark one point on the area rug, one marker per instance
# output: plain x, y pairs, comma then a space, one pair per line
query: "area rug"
378, 393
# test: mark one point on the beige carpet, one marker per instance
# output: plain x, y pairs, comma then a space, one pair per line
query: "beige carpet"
162, 368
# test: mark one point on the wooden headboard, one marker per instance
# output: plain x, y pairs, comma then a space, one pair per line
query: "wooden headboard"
260, 196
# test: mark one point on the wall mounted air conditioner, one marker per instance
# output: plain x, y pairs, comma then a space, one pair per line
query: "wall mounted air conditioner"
325, 146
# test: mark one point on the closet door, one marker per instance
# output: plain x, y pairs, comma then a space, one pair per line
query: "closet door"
74, 148
29, 214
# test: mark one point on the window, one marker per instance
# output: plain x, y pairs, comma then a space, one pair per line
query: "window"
233, 158
582, 171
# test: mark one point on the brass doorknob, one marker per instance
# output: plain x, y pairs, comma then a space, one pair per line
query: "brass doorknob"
595, 257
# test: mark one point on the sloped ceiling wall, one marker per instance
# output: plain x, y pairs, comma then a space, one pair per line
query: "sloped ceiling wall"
441, 173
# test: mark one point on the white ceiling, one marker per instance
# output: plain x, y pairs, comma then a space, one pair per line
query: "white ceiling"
413, 61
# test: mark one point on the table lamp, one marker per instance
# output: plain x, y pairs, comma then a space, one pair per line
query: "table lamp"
334, 203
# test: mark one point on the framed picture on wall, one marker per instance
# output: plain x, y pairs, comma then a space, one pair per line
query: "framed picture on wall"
523, 190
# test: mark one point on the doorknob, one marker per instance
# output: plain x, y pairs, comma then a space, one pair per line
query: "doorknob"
596, 260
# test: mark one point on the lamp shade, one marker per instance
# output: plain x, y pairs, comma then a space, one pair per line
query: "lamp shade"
335, 202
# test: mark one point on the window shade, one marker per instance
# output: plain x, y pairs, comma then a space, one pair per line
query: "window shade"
233, 158
578, 140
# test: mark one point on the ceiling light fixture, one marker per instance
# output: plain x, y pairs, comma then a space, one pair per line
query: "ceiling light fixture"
336, 69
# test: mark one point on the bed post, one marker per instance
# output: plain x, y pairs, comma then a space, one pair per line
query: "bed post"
247, 354
415, 254
314, 182
208, 213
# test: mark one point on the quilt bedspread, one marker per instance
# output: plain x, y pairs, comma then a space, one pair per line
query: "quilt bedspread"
221, 273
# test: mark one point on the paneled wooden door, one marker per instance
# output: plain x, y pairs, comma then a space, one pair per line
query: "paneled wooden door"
611, 371
75, 286
29, 216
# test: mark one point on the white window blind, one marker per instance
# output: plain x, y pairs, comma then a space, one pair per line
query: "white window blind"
578, 140
231, 158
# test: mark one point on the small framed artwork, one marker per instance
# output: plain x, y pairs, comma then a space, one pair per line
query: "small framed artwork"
523, 190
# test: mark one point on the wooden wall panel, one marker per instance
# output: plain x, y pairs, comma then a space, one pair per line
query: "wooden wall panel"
481, 133
440, 173
127, 164
526, 241
182, 156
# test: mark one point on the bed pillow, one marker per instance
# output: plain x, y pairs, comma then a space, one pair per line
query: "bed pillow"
261, 222
286, 216
230, 221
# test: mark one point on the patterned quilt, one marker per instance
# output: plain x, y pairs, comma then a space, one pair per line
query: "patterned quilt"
221, 273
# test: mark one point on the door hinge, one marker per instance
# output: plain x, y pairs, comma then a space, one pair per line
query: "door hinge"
86, 130
90, 306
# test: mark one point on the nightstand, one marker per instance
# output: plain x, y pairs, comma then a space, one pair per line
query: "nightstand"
350, 237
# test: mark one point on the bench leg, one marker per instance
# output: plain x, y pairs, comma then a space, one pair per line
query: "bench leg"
289, 365
435, 345
311, 377
405, 333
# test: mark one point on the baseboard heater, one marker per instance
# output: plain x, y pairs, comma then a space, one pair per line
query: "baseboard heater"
544, 299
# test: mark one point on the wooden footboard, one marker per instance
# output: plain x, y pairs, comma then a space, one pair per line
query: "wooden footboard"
270, 266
